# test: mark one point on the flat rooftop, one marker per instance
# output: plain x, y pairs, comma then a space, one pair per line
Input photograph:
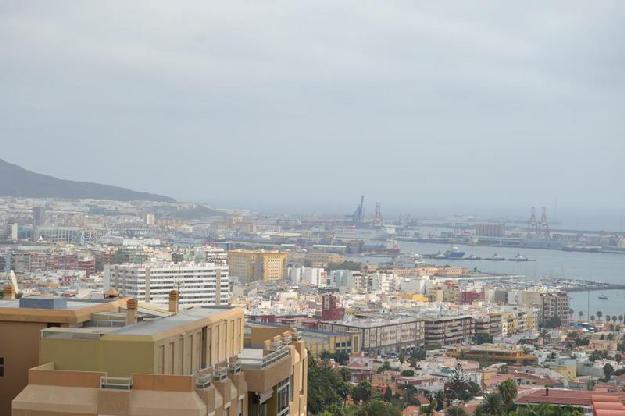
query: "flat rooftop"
51, 303
156, 326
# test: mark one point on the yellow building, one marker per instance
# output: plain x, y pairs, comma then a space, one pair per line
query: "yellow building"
251, 265
189, 363
511, 354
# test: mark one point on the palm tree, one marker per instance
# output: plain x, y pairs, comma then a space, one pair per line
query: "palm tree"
508, 391
599, 315
592, 317
492, 405
620, 318
581, 314
614, 318
607, 318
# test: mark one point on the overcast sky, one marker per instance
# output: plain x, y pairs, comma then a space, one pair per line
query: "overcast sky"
295, 104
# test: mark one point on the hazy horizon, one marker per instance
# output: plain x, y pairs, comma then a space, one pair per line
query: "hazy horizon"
446, 107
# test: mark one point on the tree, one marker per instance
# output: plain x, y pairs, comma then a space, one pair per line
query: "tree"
456, 411
388, 394
341, 357
323, 386
508, 391
608, 317
554, 322
362, 392
410, 395
491, 406
407, 373
385, 366
598, 355
378, 408
460, 388
581, 314
599, 315
483, 339
614, 318
345, 374
618, 358
608, 370
592, 317
620, 318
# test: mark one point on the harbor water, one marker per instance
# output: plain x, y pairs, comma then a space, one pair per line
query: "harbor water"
599, 267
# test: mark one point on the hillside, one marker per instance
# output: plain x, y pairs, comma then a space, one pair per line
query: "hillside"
19, 182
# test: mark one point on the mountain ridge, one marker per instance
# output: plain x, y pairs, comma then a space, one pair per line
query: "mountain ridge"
19, 182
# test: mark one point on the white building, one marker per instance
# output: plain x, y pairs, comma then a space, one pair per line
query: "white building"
197, 283
309, 276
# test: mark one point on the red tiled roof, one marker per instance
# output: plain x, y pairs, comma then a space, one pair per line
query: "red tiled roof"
567, 397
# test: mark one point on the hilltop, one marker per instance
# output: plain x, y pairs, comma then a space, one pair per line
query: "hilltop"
19, 182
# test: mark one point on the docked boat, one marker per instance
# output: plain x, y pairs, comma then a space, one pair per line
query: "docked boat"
519, 257
603, 297
496, 257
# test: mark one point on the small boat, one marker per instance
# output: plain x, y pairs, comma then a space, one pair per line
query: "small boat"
496, 257
519, 257
603, 297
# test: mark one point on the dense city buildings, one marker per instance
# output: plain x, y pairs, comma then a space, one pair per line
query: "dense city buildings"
149, 313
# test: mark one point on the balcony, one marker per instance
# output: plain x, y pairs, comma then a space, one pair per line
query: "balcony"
116, 383
252, 358
264, 369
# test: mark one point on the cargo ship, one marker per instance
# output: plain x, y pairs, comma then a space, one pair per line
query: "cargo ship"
583, 249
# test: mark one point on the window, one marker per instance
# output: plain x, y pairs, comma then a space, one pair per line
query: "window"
1, 366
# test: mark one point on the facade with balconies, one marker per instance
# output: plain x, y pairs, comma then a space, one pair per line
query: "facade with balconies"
190, 363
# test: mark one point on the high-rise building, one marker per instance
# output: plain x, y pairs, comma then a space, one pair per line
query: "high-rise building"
198, 283
555, 306
39, 219
251, 265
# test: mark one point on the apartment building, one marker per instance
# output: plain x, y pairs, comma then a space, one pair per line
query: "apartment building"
488, 324
379, 335
252, 265
191, 362
448, 330
555, 305
495, 353
197, 283
21, 321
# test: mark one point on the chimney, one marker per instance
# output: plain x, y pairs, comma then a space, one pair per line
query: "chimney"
131, 316
9, 292
173, 301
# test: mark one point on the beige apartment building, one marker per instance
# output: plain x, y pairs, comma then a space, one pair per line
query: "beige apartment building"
440, 331
184, 362
21, 323
252, 265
